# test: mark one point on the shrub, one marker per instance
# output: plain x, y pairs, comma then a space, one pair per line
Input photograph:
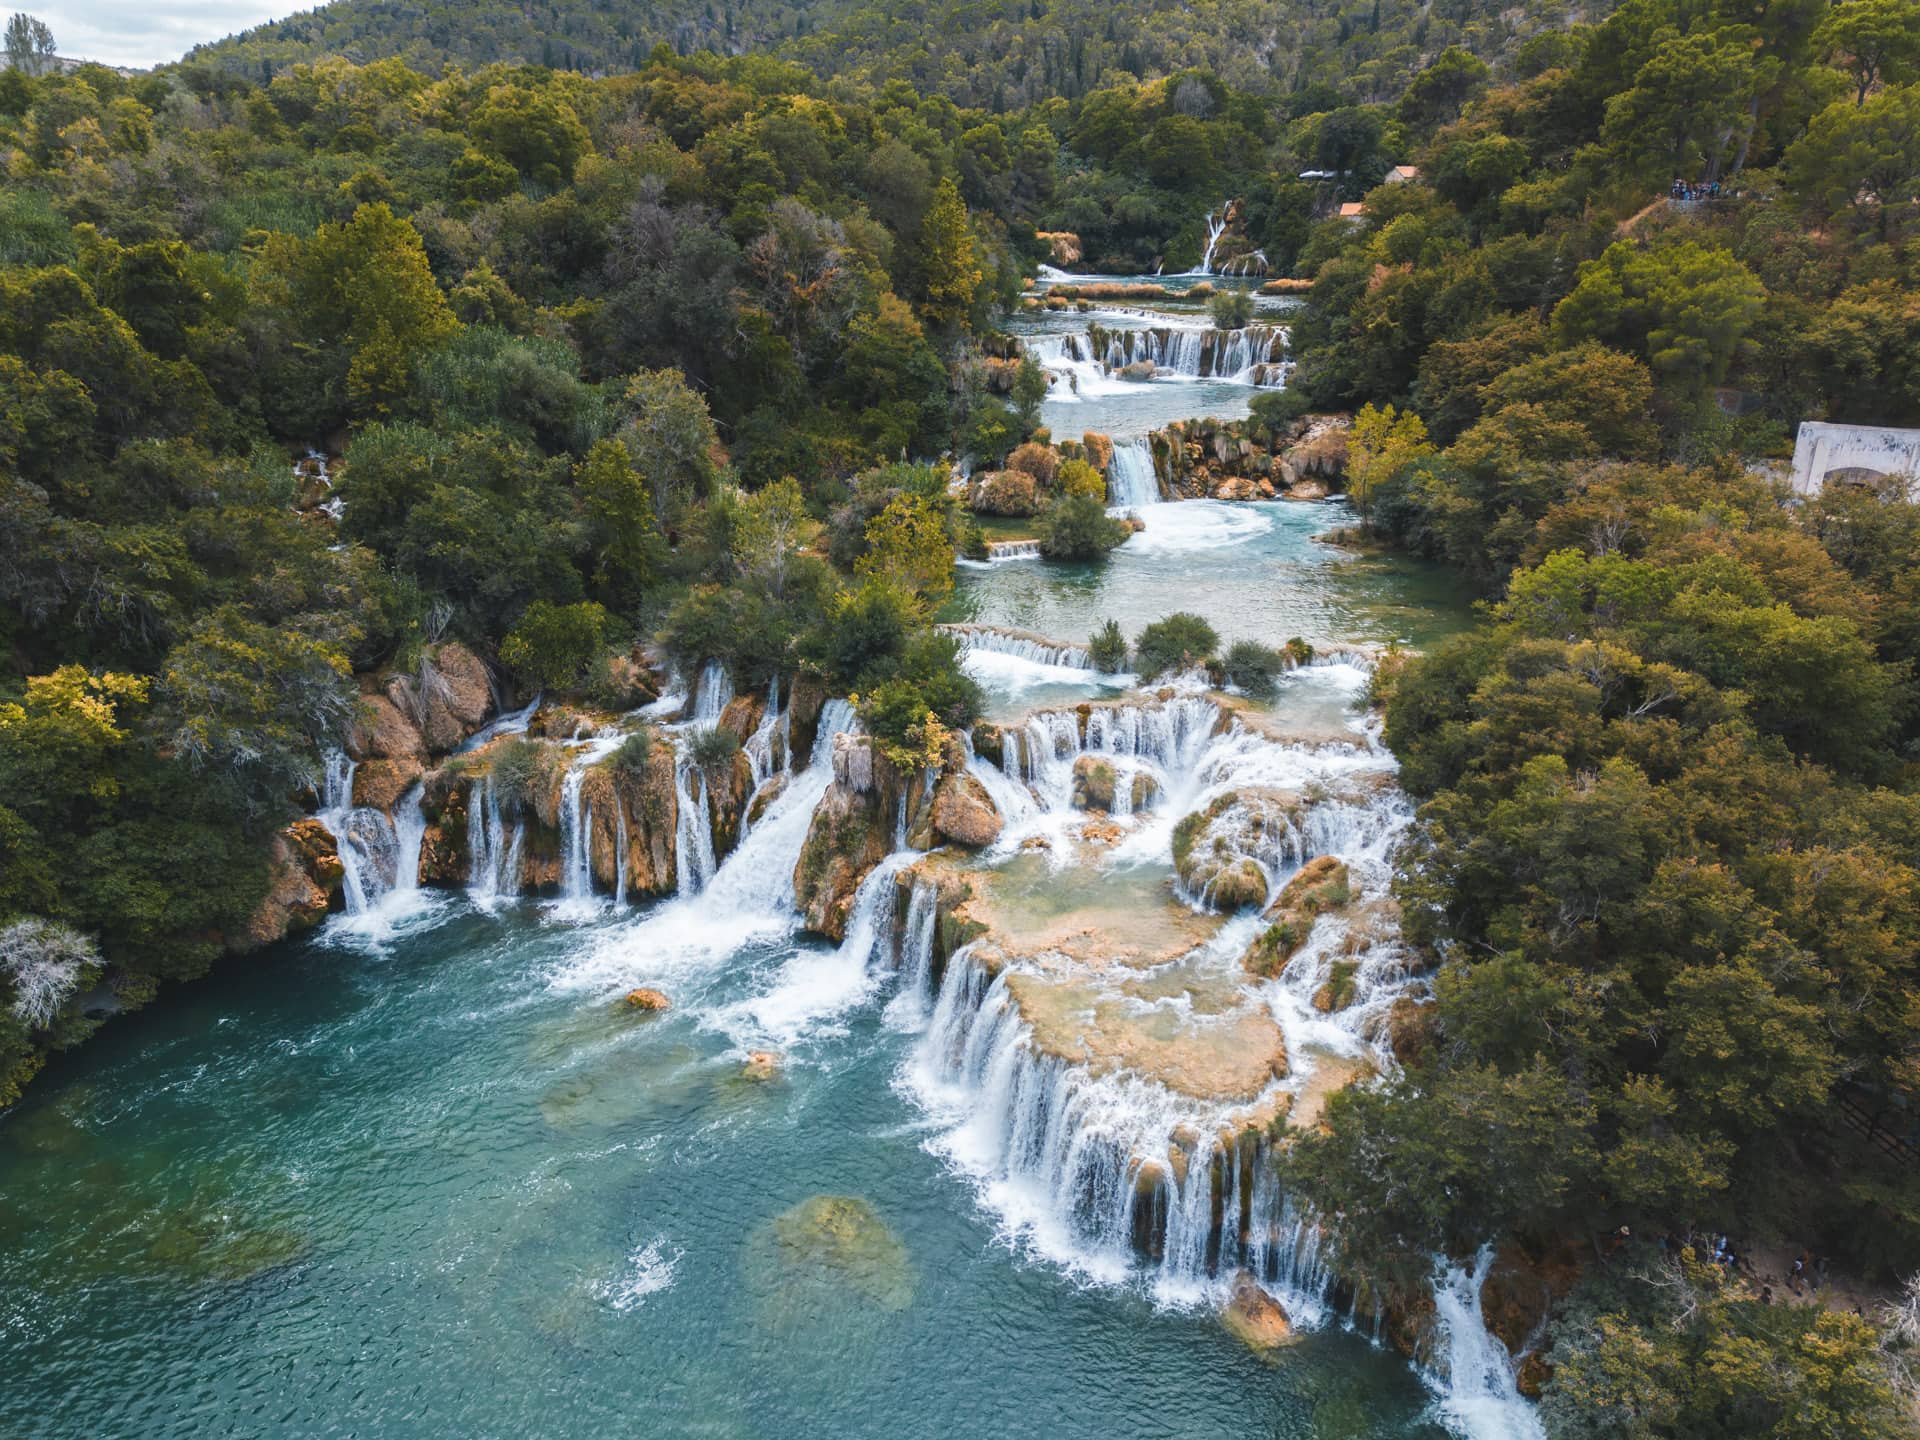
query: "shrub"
632, 758
1277, 409
556, 646
1079, 528
1108, 649
972, 540
1178, 642
712, 749
1004, 492
46, 963
1078, 477
1042, 462
1254, 667
519, 770
1231, 309
927, 680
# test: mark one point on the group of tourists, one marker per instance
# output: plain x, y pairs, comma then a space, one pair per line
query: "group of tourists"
1687, 190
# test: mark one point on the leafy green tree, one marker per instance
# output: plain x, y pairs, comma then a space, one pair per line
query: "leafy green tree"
910, 545
556, 646
670, 438
1689, 309
1874, 41
1077, 527
1688, 100
630, 552
949, 259
534, 131
364, 287
1864, 156
250, 704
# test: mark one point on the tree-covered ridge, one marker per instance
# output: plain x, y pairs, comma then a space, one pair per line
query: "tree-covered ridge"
1000, 56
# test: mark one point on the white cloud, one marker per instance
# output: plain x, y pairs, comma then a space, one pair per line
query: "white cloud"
148, 32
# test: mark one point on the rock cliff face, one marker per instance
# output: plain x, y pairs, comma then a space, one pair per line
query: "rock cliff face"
852, 831
1243, 460
306, 876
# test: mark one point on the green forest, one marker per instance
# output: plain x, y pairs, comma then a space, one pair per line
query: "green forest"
604, 316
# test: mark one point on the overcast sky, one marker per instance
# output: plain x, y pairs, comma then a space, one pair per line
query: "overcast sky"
147, 32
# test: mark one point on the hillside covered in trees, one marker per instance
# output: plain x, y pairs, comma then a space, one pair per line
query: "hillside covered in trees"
593, 351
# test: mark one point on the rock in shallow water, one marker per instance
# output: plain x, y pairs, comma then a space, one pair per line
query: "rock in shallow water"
1255, 1318
651, 1001
842, 1238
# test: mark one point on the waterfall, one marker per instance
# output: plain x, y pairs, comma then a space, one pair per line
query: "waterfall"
619, 853
1131, 482
1020, 644
711, 696
1216, 227
760, 744
1013, 550
377, 854
1102, 1173
1472, 1374
493, 847
511, 723
576, 822
693, 828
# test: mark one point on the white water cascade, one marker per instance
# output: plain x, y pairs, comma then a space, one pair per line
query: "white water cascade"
693, 827
576, 822
1020, 644
1472, 1374
378, 855
1131, 481
1216, 227
493, 848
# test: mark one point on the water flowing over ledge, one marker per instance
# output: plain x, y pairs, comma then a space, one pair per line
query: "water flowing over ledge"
1111, 1079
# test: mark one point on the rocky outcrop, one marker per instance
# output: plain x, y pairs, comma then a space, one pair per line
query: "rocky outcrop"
964, 813
1322, 884
306, 875
1244, 460
1214, 849
1517, 1298
851, 833
1255, 1318
1411, 1028
1094, 782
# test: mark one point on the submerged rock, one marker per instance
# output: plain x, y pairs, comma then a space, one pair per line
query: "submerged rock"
842, 1239
761, 1065
1255, 1318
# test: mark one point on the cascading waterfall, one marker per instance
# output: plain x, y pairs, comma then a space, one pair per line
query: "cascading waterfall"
710, 697
1216, 227
1131, 481
1471, 1372
760, 744
1102, 1173
693, 827
378, 854
493, 848
1013, 550
1021, 645
576, 822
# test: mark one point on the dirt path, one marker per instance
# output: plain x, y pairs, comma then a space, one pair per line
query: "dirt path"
1627, 225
